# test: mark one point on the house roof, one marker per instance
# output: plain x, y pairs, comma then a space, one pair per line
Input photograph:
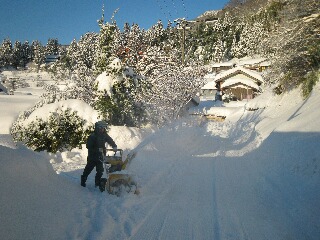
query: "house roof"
240, 81
231, 72
251, 61
210, 76
265, 64
223, 64
210, 85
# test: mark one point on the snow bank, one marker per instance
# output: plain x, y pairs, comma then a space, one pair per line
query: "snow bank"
37, 203
11, 106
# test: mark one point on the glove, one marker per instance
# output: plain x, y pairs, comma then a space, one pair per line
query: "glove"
114, 149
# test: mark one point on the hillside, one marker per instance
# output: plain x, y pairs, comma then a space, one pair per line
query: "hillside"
284, 31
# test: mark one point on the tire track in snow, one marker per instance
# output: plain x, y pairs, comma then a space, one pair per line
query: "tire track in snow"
185, 210
216, 225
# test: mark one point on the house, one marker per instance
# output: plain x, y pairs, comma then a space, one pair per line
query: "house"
209, 90
239, 83
218, 67
52, 58
264, 66
258, 64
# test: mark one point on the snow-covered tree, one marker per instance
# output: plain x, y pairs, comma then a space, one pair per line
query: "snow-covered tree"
52, 47
26, 53
38, 53
248, 40
79, 65
105, 51
6, 52
120, 95
17, 54
172, 88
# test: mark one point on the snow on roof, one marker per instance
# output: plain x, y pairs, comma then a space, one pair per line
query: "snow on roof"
210, 76
224, 64
265, 64
209, 85
221, 76
251, 61
246, 82
311, 17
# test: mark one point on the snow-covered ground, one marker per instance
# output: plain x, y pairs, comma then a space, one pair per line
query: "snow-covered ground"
254, 176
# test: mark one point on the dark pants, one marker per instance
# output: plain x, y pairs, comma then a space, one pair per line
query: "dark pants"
90, 166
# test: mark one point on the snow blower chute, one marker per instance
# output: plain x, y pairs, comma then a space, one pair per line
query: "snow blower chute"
118, 180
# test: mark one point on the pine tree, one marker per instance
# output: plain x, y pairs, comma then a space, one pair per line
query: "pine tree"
125, 104
77, 67
6, 52
52, 47
26, 53
38, 53
17, 54
105, 52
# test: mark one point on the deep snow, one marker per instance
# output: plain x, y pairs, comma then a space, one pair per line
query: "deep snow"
254, 176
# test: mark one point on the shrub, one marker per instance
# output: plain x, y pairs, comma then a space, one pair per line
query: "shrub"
308, 82
64, 130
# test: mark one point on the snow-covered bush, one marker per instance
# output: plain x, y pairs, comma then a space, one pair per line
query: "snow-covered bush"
63, 130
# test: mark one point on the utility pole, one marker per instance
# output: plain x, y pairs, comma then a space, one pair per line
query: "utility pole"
183, 25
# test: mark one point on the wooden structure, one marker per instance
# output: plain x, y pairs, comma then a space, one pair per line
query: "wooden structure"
239, 83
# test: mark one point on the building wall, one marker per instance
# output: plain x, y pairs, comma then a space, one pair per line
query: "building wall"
240, 93
208, 93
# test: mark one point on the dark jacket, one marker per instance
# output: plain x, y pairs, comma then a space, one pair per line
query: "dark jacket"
95, 141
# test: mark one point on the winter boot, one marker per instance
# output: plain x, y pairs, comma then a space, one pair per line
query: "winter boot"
83, 181
97, 181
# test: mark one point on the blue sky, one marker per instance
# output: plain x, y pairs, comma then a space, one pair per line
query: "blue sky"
70, 19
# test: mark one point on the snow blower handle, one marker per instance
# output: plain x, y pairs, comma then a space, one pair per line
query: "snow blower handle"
115, 151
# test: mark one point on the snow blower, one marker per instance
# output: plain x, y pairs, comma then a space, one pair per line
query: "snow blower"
118, 180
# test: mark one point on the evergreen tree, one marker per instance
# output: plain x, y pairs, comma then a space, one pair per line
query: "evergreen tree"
26, 53
6, 52
17, 54
105, 51
38, 53
52, 47
77, 68
125, 104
